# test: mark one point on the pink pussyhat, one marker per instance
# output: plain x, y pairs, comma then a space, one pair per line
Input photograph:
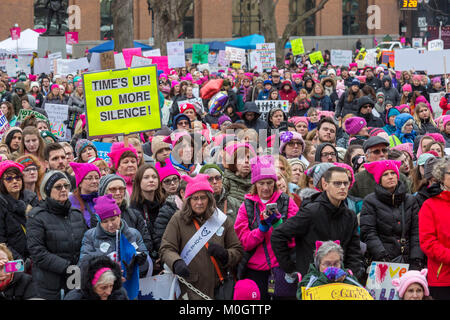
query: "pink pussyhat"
408, 147
82, 169
377, 168
117, 149
410, 277
199, 183
246, 289
263, 168
349, 168
232, 148
167, 170
437, 137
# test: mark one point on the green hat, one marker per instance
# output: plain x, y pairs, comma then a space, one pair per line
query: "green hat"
45, 134
211, 166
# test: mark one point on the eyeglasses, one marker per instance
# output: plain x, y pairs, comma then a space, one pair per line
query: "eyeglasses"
92, 178
336, 264
9, 179
115, 189
201, 198
29, 169
338, 184
294, 143
168, 182
216, 178
328, 154
61, 186
183, 123
379, 151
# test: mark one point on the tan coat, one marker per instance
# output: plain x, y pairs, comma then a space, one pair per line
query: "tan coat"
203, 275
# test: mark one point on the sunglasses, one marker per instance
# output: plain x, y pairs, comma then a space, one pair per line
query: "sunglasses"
168, 182
338, 184
9, 179
61, 186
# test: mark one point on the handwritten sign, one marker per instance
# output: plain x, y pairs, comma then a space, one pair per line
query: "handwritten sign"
235, 54
176, 55
341, 57
267, 55
297, 46
266, 105
316, 56
200, 53
379, 281
57, 115
223, 59
336, 291
4, 124
107, 60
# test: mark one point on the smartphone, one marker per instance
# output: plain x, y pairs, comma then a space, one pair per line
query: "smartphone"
271, 207
14, 266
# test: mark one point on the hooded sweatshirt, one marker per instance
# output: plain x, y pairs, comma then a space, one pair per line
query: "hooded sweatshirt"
391, 93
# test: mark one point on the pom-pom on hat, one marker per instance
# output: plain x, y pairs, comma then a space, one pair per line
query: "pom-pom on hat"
105, 207
377, 168
263, 168
410, 277
198, 183
354, 124
287, 136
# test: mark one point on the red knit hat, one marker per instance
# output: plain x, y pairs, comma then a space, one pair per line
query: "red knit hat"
187, 106
199, 183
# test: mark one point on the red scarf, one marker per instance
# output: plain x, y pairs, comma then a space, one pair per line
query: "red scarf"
5, 283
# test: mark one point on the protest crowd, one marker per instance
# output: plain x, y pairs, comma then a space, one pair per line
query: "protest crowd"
256, 185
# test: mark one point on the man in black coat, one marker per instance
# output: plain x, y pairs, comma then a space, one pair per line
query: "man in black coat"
323, 217
365, 107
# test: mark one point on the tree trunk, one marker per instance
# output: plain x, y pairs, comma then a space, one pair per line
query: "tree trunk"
122, 13
168, 24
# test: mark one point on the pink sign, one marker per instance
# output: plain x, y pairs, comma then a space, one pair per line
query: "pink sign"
402, 40
128, 54
161, 62
15, 33
71, 37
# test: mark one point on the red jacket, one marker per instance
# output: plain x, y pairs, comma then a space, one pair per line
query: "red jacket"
434, 236
289, 95
445, 106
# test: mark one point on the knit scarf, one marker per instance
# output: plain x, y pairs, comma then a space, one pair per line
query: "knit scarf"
244, 91
89, 198
405, 137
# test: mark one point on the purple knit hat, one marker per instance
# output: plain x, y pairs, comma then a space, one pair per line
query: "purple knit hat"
82, 169
222, 119
105, 207
354, 124
263, 168
377, 168
199, 183
287, 136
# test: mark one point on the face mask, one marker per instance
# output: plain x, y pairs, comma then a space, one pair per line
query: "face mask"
335, 274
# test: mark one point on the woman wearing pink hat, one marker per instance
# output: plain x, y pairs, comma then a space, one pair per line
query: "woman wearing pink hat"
264, 209
124, 162
413, 285
446, 130
54, 96
199, 243
389, 221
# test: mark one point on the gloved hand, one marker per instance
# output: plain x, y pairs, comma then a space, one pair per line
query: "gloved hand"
291, 277
180, 268
218, 252
140, 258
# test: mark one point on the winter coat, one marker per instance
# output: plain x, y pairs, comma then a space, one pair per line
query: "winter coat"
251, 237
322, 103
289, 95
88, 270
256, 123
232, 204
264, 94
318, 220
54, 234
426, 127
13, 222
299, 108
321, 279
88, 213
236, 187
165, 214
434, 230
39, 99
203, 275
447, 139
344, 106
371, 120
427, 192
381, 224
444, 104
374, 82
390, 94
21, 287
365, 184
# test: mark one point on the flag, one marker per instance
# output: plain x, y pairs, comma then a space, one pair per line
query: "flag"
375, 42
126, 253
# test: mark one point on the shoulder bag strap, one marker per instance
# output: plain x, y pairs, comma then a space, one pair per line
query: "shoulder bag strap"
225, 206
266, 251
403, 239
213, 260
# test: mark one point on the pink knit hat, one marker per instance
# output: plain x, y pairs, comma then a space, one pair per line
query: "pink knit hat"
174, 137
445, 121
174, 83
54, 86
231, 149
346, 166
263, 168
105, 207
377, 168
410, 277
417, 77
246, 289
167, 170
117, 149
354, 124
408, 147
437, 137
199, 183
287, 136
407, 87
5, 165
82, 169
296, 120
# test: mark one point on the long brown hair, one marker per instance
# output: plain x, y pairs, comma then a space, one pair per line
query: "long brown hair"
41, 171
137, 197
188, 214
29, 131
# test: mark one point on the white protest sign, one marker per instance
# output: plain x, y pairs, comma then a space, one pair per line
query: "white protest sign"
82, 63
52, 57
175, 54
235, 54
119, 61
95, 63
204, 66
267, 55
370, 59
379, 281
430, 61
417, 42
166, 111
140, 62
435, 98
11, 67
436, 45
197, 102
152, 53
341, 57
196, 92
4, 124
57, 114
213, 59
223, 59
66, 66
41, 65
254, 61
266, 105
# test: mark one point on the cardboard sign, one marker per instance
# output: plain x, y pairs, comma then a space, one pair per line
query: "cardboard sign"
266, 105
107, 60
336, 291
103, 148
72, 37
267, 55
379, 281
436, 45
128, 54
4, 125
122, 101
341, 57
176, 55
200, 53
297, 46
57, 115
23, 113
316, 56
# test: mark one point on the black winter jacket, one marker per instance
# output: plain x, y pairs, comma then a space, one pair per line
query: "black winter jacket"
344, 107
21, 288
165, 214
318, 220
426, 192
88, 270
381, 224
13, 221
54, 235
426, 127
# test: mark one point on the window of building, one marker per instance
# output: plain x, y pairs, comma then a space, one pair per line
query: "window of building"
354, 17
246, 18
106, 20
307, 27
41, 14
188, 23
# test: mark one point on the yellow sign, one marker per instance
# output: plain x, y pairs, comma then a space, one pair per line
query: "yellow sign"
122, 101
316, 56
336, 291
236, 65
297, 46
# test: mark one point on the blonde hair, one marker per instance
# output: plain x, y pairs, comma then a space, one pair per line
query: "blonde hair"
5, 249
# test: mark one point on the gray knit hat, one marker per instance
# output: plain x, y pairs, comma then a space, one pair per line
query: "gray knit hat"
104, 181
50, 178
317, 171
428, 167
